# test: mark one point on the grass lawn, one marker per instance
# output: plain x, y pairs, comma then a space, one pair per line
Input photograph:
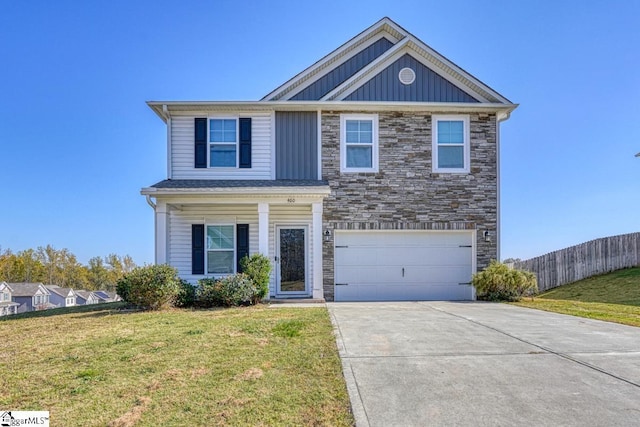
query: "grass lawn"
107, 366
614, 297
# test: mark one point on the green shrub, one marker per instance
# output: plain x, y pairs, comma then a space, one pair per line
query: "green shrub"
186, 296
152, 287
258, 268
229, 291
499, 282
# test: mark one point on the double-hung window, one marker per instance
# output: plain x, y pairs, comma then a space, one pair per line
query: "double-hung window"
359, 143
223, 142
450, 144
221, 249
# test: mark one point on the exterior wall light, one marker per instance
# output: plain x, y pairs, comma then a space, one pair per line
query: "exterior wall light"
327, 235
487, 236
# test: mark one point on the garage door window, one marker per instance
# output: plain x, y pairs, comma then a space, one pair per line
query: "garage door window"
358, 143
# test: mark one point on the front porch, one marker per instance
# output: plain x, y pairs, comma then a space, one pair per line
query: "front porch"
283, 223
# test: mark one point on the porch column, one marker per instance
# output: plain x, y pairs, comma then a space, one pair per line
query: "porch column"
316, 210
161, 232
263, 228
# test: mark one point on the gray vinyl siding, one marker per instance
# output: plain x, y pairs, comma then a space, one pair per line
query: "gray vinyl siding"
341, 73
296, 145
427, 87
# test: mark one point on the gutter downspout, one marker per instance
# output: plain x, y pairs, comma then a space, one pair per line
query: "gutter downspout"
150, 203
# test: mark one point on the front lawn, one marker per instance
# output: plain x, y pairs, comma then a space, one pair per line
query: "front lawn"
244, 366
614, 297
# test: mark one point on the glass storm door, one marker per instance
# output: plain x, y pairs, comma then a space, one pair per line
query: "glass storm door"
291, 260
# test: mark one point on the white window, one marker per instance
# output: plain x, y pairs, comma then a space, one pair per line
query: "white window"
359, 143
70, 301
221, 253
223, 142
450, 144
5, 296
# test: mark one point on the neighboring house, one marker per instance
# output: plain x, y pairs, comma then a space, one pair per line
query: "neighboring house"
31, 296
7, 306
106, 296
62, 297
371, 175
86, 298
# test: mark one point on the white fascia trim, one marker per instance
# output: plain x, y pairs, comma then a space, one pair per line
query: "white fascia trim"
379, 26
244, 192
190, 108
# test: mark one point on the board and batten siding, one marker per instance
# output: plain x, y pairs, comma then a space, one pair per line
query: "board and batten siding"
296, 145
182, 149
179, 229
341, 73
427, 87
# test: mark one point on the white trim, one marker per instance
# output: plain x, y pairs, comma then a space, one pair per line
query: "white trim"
209, 143
169, 142
207, 250
316, 241
161, 231
263, 228
195, 108
498, 215
305, 227
374, 145
466, 143
319, 139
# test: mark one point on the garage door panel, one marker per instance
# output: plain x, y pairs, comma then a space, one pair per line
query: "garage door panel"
401, 292
403, 265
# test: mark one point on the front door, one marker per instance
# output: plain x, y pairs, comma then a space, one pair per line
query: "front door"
291, 261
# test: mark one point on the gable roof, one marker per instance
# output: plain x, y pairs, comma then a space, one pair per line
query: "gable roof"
63, 292
403, 43
28, 289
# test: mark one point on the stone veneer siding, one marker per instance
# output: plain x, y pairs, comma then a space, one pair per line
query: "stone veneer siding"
405, 194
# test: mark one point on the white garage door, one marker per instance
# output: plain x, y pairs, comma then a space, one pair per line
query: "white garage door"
403, 265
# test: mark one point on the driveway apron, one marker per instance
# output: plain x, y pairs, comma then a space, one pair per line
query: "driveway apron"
484, 364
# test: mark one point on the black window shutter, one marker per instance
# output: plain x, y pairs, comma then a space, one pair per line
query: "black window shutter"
245, 142
242, 249
200, 143
197, 248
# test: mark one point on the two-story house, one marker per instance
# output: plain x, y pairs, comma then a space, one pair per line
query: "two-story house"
371, 175
31, 296
7, 305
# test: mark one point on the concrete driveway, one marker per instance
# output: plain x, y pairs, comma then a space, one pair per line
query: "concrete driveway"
484, 364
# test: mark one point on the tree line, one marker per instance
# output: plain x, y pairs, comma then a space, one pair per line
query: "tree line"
61, 267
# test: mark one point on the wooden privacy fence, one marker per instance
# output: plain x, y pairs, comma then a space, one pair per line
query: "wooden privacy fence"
581, 261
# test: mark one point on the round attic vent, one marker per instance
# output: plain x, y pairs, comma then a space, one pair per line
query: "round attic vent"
407, 76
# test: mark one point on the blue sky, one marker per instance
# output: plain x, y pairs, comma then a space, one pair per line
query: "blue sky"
77, 141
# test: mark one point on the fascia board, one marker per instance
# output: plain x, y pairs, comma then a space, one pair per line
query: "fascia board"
281, 90
203, 107
243, 193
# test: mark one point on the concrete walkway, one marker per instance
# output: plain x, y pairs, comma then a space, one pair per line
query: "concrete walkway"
483, 364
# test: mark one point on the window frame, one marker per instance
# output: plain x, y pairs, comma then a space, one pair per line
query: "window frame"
236, 119
466, 144
374, 143
207, 250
